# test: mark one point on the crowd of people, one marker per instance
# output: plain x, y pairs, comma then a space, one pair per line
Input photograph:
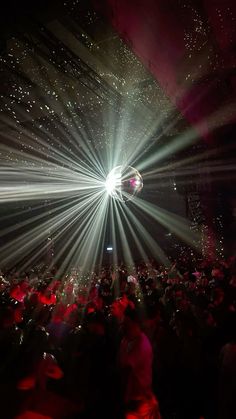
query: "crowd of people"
140, 342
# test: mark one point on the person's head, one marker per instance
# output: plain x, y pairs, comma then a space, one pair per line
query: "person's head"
130, 288
18, 313
3, 283
153, 312
48, 292
18, 310
24, 285
6, 317
183, 304
230, 327
98, 301
209, 319
58, 314
132, 323
218, 295
183, 324
96, 324
117, 310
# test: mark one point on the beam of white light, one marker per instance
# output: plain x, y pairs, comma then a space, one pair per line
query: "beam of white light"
39, 145
25, 161
150, 133
22, 212
173, 222
222, 116
179, 143
50, 151
78, 133
133, 233
94, 241
187, 174
112, 217
179, 163
20, 246
22, 183
32, 219
88, 238
120, 231
76, 130
43, 191
134, 125
79, 219
85, 245
89, 150
187, 138
145, 236
204, 160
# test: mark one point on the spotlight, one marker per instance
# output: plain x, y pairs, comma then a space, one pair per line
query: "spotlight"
123, 183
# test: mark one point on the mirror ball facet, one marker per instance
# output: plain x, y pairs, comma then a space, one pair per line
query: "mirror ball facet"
124, 183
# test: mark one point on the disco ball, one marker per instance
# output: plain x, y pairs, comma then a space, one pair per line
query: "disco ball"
123, 183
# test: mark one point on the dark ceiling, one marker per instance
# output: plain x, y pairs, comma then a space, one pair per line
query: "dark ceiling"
190, 48
173, 61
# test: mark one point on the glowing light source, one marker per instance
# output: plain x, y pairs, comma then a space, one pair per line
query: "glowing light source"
123, 183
